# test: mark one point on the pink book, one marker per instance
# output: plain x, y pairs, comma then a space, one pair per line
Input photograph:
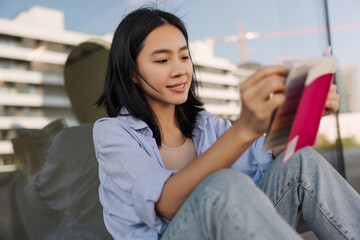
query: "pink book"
296, 122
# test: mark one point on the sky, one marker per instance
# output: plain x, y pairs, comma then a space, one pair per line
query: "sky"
219, 18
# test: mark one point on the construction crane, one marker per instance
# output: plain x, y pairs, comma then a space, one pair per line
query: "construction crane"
242, 36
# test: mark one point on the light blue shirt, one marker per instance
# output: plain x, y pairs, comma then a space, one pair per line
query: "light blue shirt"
132, 173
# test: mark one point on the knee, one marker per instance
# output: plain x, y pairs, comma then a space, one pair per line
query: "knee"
307, 151
310, 155
231, 188
308, 159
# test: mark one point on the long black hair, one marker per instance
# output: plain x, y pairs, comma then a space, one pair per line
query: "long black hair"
120, 89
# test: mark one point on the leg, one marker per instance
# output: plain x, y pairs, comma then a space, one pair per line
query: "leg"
228, 205
307, 182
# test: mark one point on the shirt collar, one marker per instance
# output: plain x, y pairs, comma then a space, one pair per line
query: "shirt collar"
131, 121
139, 124
202, 118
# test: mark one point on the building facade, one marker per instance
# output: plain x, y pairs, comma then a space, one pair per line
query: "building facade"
348, 88
33, 49
219, 80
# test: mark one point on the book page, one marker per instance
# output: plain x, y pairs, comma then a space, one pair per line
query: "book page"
283, 118
295, 123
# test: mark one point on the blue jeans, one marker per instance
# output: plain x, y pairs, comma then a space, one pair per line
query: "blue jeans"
228, 205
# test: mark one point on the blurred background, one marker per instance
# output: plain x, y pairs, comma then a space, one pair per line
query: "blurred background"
229, 40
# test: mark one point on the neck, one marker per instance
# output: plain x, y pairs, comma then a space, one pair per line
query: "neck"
171, 134
165, 116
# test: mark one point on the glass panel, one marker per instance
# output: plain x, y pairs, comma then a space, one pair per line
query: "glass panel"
49, 188
345, 33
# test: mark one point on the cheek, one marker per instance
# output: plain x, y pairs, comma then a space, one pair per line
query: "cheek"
189, 70
152, 75
156, 78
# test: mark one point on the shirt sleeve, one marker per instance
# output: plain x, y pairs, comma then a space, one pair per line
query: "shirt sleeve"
254, 161
131, 180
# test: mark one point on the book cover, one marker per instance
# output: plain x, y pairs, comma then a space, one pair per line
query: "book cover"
296, 122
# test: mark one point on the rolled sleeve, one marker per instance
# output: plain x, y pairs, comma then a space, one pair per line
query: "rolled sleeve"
254, 161
146, 193
131, 179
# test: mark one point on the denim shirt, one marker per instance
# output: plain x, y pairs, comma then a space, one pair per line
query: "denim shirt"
132, 174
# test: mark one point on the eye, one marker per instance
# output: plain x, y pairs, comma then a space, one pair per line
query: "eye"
161, 61
185, 58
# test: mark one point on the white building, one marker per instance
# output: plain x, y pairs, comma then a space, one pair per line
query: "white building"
33, 49
348, 88
349, 126
219, 80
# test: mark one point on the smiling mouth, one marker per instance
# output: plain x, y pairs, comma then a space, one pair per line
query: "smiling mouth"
177, 86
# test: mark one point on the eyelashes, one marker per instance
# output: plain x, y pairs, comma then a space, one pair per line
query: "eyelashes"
161, 61
166, 60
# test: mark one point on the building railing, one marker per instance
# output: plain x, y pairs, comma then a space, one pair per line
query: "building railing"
40, 54
32, 77
33, 100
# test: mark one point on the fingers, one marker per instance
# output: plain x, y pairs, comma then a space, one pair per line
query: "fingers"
261, 93
270, 86
258, 91
333, 91
332, 101
262, 73
275, 101
331, 106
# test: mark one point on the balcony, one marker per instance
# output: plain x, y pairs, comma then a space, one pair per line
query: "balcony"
33, 100
32, 77
218, 79
6, 147
19, 122
39, 54
221, 94
223, 110
23, 122
12, 28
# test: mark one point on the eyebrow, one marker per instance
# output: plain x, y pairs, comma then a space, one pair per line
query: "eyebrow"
167, 50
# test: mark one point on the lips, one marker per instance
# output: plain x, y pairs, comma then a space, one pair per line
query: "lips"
179, 87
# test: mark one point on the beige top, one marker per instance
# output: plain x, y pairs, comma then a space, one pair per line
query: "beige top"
178, 158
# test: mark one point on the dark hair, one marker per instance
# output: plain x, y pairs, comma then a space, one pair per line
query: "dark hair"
120, 89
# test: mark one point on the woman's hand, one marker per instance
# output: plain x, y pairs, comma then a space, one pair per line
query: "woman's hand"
332, 101
261, 94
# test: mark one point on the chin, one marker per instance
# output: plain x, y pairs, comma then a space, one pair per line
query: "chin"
180, 102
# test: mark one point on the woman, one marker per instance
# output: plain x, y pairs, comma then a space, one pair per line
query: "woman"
171, 170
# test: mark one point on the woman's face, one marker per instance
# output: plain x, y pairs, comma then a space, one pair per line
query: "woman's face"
165, 64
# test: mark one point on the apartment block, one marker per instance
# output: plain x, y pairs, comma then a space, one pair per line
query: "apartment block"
34, 46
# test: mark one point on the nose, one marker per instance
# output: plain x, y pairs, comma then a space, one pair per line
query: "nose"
178, 69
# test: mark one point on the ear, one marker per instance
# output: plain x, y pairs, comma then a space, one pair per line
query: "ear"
134, 77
